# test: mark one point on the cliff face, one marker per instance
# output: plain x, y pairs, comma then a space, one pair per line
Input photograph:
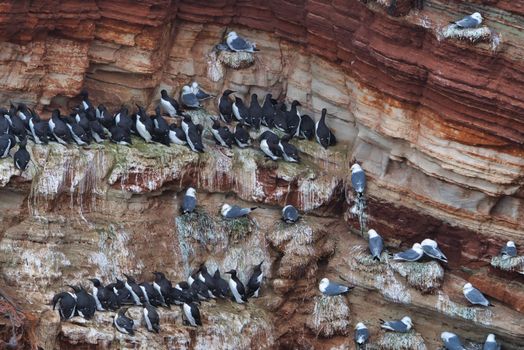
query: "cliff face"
436, 123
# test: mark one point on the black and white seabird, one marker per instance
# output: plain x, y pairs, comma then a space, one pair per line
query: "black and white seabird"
237, 288
17, 126
200, 288
253, 285
120, 135
86, 104
85, 303
222, 134
162, 285
238, 44
225, 106
66, 305
431, 249
123, 120
358, 179
177, 135
290, 214
279, 118
194, 139
169, 104
471, 21
323, 134
151, 295
329, 288
361, 334
189, 202
123, 323
376, 244
144, 125
135, 290
268, 112
4, 123
509, 250
271, 148
78, 133
293, 119
97, 287
255, 112
307, 127
200, 94
188, 98
105, 297
204, 276
122, 293
241, 135
289, 152
491, 343
161, 128
451, 341
22, 157
234, 211
400, 326
39, 129
413, 254
192, 314
97, 131
240, 111
59, 129
151, 318
7, 141
222, 287
474, 296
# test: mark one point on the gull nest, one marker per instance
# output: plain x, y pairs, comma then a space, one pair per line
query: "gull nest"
473, 35
236, 60
402, 341
424, 276
330, 317
515, 264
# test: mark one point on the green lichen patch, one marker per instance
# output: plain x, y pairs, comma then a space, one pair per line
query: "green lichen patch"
331, 316
509, 263
237, 229
402, 341
424, 276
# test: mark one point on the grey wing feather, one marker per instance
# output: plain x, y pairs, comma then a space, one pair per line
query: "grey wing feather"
433, 252
290, 214
491, 346
236, 212
511, 251
358, 180
240, 44
467, 22
190, 100
454, 344
201, 95
124, 322
375, 246
476, 297
189, 204
409, 255
396, 326
335, 289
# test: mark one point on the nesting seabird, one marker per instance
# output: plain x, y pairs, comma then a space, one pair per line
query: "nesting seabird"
22, 157
162, 285
279, 117
491, 343
358, 179
222, 134
331, 288
237, 288
268, 112
238, 44
451, 341
293, 119
144, 125
85, 303
123, 120
66, 305
376, 244
7, 141
471, 21
323, 134
192, 314
412, 254
290, 214
361, 334
474, 296
402, 326
188, 98
307, 127
151, 318
241, 135
133, 288
240, 111
169, 104
431, 249
288, 151
123, 323
222, 287
234, 211
253, 285
200, 94
78, 133
190, 201
255, 112
225, 106
97, 131
58, 128
509, 250
120, 135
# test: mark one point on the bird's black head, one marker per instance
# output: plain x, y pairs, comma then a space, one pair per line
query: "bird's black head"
101, 108
84, 94
23, 143
96, 282
238, 99
77, 289
228, 92
232, 272
254, 97
187, 118
203, 267
324, 112
164, 94
129, 278
260, 265
55, 113
217, 273
295, 103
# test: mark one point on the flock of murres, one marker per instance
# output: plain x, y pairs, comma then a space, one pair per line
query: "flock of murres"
88, 123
